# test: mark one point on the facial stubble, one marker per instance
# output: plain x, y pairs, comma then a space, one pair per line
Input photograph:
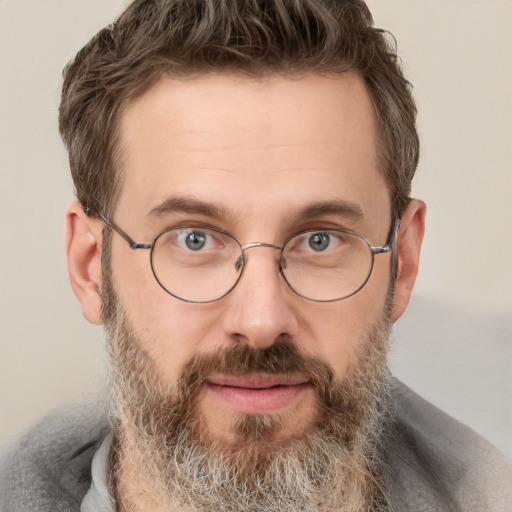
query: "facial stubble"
165, 442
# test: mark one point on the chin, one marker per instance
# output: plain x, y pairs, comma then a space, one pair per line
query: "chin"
233, 431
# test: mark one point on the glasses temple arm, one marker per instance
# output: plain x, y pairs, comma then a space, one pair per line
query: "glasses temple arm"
393, 232
391, 239
131, 242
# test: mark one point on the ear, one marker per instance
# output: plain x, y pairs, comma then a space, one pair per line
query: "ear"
83, 238
410, 236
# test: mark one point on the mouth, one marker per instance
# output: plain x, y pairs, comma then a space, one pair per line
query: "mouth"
257, 394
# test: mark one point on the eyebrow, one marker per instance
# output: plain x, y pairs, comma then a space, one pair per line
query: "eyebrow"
178, 204
339, 207
188, 205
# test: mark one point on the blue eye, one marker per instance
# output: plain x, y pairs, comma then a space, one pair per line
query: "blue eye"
193, 240
319, 241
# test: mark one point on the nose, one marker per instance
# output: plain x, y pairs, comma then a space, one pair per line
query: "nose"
261, 309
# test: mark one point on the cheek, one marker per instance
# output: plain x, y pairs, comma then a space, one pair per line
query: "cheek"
169, 330
337, 330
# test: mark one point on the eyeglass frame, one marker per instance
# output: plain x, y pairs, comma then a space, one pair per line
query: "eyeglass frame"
392, 238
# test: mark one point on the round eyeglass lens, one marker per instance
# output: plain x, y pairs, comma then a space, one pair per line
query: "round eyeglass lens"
196, 264
327, 265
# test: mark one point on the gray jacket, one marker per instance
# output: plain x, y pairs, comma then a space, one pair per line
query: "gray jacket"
432, 463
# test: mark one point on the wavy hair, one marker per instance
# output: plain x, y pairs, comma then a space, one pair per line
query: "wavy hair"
183, 38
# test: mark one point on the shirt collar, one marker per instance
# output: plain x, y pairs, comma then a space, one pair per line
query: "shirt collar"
99, 497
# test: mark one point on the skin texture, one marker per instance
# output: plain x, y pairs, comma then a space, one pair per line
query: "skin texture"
258, 152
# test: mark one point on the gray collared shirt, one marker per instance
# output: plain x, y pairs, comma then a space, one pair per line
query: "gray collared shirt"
99, 496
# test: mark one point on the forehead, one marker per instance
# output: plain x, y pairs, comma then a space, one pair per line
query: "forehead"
246, 144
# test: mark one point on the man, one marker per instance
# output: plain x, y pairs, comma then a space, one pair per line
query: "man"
244, 230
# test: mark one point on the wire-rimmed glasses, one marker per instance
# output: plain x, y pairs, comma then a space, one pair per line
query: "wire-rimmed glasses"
198, 264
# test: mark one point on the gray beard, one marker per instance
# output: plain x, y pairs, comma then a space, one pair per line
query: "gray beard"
331, 466
165, 460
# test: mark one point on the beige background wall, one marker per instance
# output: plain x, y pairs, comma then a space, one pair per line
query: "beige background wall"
457, 54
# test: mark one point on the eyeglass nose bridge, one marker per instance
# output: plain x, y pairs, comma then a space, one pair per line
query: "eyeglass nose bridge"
260, 244
241, 260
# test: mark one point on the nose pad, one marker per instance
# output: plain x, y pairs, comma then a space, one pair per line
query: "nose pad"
240, 262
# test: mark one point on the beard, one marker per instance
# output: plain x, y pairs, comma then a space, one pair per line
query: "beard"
166, 459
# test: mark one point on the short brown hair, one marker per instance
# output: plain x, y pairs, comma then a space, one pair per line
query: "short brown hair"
255, 37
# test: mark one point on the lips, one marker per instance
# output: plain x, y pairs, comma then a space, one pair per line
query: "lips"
257, 394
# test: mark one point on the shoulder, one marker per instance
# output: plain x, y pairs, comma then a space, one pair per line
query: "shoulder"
51, 465
433, 462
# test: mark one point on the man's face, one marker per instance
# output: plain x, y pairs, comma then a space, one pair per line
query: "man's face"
249, 157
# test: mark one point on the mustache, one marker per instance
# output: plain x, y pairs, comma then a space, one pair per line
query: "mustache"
281, 358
